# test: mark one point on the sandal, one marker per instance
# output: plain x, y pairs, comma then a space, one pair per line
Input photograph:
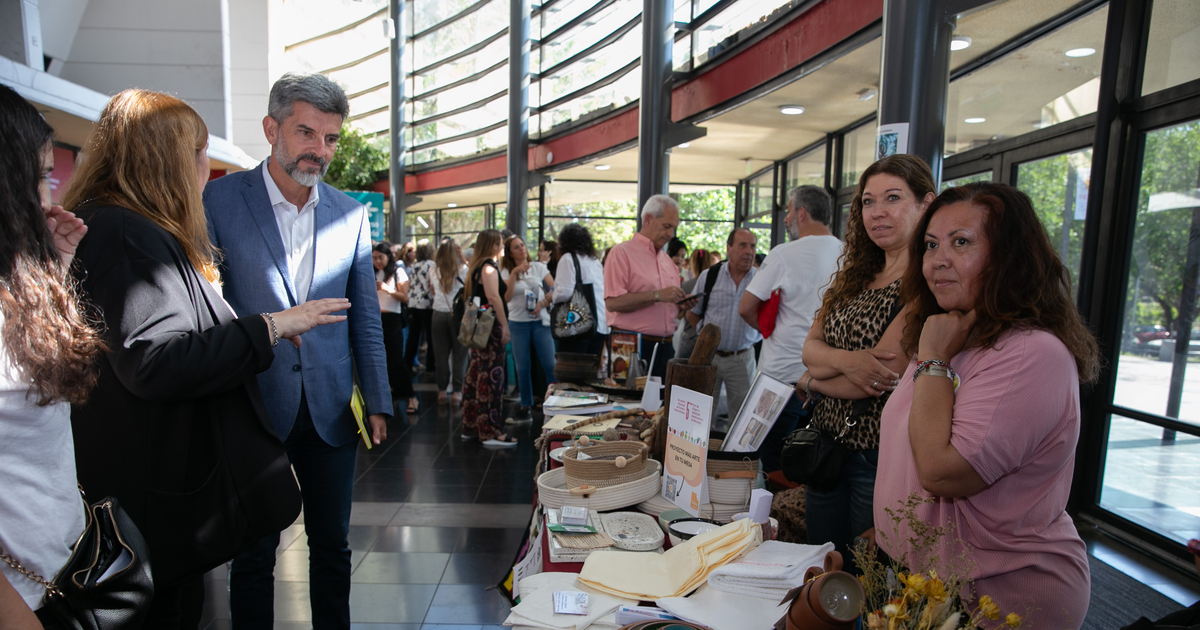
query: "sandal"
503, 441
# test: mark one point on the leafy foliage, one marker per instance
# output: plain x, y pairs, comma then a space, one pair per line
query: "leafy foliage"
356, 161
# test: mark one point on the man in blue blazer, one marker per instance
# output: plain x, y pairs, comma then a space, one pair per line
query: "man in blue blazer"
288, 238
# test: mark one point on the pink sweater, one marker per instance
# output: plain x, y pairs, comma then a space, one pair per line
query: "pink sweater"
1016, 421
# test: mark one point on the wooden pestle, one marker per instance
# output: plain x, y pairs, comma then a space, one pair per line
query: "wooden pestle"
706, 345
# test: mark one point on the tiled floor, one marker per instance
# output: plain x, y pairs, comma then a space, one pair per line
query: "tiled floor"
434, 526
436, 521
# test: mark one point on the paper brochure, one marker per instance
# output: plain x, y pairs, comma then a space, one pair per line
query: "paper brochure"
688, 421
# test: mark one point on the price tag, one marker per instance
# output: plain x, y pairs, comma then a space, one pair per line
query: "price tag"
570, 603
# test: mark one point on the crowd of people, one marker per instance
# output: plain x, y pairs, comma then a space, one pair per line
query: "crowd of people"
240, 310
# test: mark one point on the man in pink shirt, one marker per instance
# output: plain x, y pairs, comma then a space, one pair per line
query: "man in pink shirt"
641, 284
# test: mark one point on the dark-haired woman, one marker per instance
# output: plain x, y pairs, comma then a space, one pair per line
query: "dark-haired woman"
48, 355
392, 287
575, 243
986, 418
852, 350
548, 254
483, 391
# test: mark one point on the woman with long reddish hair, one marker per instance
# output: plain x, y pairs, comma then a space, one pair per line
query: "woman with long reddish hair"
985, 420
177, 389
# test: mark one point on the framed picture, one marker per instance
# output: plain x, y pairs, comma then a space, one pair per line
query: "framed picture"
758, 414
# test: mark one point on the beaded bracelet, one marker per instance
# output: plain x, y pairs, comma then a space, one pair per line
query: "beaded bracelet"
274, 331
924, 364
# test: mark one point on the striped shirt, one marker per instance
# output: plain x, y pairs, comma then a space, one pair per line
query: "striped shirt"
723, 303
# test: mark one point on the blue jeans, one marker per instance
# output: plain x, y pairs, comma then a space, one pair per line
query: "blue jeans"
524, 336
845, 513
326, 476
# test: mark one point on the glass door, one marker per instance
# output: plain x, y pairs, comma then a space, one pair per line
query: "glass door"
1151, 474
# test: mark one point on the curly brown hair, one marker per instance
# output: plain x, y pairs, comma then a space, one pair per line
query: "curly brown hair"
1019, 248
45, 332
862, 259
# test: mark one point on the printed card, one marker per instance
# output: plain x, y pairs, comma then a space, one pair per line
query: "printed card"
685, 482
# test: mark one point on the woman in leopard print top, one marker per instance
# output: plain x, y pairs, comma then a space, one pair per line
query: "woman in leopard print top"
853, 349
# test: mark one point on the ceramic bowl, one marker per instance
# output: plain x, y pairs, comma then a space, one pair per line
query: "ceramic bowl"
682, 529
665, 518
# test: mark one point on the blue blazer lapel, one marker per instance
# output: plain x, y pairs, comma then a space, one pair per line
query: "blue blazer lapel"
324, 238
259, 205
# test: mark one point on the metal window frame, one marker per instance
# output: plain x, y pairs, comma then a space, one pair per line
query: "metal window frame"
461, 110
448, 21
572, 23
469, 50
459, 82
608, 40
608, 80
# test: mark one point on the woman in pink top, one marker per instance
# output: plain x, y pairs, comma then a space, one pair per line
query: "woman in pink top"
986, 418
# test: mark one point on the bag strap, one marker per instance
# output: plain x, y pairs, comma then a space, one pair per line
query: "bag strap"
578, 272
710, 281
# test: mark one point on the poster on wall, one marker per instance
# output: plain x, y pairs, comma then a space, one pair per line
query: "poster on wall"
891, 139
685, 482
374, 203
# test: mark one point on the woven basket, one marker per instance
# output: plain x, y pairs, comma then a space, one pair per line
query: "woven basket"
719, 461
553, 491
600, 468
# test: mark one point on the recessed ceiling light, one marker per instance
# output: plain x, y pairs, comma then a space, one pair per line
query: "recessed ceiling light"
1081, 52
960, 42
451, 205
975, 121
603, 167
791, 110
867, 94
684, 145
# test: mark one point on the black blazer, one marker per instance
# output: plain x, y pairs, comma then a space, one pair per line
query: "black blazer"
176, 427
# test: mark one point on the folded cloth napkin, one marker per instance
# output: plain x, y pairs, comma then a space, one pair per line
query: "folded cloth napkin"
646, 576
724, 611
770, 570
536, 609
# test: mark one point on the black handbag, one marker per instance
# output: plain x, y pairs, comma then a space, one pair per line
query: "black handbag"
88, 593
814, 457
577, 316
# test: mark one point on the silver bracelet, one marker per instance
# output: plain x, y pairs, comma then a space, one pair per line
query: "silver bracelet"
274, 330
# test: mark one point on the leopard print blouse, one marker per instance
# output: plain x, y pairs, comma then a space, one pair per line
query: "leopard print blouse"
857, 326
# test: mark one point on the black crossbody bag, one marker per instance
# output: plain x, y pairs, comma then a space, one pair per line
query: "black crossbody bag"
814, 457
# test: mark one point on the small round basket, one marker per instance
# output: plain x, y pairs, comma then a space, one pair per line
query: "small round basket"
599, 468
555, 492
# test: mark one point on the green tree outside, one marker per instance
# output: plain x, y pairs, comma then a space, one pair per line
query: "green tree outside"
356, 161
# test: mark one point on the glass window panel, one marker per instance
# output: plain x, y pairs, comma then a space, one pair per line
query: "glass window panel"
339, 49
1058, 187
561, 12
858, 153
706, 217
592, 68
430, 12
493, 139
487, 85
725, 29
1173, 45
683, 11
465, 122
461, 68
842, 217
704, 5
1168, 208
762, 197
499, 211
681, 55
808, 169
588, 32
361, 76
605, 232
1036, 86
1150, 481
985, 176
462, 220
462, 33
621, 92
375, 123
420, 225
762, 231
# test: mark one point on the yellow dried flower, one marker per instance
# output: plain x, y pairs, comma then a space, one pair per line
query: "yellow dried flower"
875, 622
989, 607
935, 590
917, 583
1013, 620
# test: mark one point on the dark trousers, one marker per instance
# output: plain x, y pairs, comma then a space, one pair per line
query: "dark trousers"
326, 476
419, 326
666, 352
398, 368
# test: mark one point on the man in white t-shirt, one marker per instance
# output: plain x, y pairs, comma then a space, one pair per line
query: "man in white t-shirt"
800, 270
